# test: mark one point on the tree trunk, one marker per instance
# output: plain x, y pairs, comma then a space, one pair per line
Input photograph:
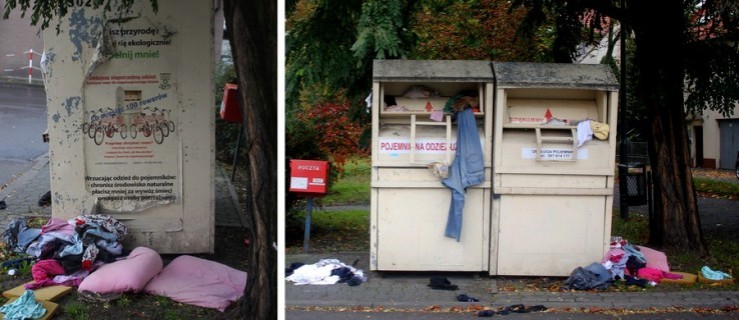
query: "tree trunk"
659, 59
252, 26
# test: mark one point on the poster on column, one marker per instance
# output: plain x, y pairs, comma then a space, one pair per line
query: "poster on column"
132, 146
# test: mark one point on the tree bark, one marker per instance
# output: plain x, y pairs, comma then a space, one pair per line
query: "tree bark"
659, 57
252, 26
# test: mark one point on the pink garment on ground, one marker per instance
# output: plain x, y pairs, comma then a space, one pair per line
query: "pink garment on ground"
59, 225
199, 282
130, 274
650, 274
45, 268
655, 259
49, 283
72, 280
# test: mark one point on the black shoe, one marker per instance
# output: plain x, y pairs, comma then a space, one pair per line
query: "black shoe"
486, 313
441, 283
45, 199
465, 298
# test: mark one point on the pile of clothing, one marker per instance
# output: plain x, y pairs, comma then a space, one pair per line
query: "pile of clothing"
67, 250
645, 265
636, 265
325, 271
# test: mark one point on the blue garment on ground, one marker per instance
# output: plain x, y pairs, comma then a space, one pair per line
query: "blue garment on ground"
24, 307
18, 236
466, 170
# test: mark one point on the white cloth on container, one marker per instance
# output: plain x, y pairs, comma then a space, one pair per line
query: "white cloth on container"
584, 132
320, 273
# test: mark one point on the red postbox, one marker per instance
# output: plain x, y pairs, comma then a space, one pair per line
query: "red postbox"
309, 177
230, 110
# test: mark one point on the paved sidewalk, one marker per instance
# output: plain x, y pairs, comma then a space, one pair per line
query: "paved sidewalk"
22, 196
409, 290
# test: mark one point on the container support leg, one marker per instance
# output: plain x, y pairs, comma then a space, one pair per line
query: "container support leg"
236, 154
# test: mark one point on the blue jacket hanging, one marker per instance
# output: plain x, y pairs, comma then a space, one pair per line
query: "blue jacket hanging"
466, 170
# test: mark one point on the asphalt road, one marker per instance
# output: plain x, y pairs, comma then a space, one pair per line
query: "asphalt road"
22, 123
348, 315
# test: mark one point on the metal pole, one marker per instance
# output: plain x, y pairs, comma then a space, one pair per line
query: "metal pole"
236, 154
623, 145
30, 65
306, 235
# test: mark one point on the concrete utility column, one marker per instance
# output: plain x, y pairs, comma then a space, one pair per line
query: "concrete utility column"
131, 122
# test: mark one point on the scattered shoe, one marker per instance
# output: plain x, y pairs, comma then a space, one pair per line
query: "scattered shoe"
3, 205
441, 283
45, 199
536, 308
465, 298
486, 313
517, 308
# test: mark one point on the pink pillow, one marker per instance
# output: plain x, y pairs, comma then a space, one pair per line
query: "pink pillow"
130, 274
655, 259
199, 282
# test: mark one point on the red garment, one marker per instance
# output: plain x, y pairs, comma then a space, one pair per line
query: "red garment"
45, 268
616, 258
614, 255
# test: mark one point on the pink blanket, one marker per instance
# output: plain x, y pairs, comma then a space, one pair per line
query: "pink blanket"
129, 275
199, 282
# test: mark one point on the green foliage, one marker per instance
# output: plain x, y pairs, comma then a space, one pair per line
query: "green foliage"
713, 80
717, 188
24, 268
322, 133
331, 231
319, 60
483, 30
123, 301
77, 310
712, 48
352, 186
635, 229
337, 136
572, 23
44, 11
301, 142
162, 301
380, 27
